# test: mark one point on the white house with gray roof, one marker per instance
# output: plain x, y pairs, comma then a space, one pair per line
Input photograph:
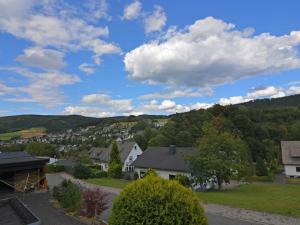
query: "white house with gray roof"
129, 151
291, 158
166, 161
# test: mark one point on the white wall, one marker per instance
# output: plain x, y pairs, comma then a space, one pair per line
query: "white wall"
290, 170
134, 153
163, 173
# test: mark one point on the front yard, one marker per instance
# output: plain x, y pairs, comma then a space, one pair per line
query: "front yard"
272, 198
109, 182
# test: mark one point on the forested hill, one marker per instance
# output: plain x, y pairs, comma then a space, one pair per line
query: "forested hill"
54, 123
51, 123
288, 101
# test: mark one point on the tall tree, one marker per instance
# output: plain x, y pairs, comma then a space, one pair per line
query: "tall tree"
220, 156
114, 156
115, 163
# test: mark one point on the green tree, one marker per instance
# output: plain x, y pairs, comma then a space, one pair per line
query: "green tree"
115, 163
261, 168
220, 156
82, 171
153, 201
41, 149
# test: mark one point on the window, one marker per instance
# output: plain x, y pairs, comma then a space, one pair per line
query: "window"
298, 169
142, 173
130, 158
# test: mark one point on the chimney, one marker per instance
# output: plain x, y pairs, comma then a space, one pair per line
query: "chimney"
172, 149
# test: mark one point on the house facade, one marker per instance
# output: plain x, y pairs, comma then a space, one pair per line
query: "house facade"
129, 152
291, 158
166, 161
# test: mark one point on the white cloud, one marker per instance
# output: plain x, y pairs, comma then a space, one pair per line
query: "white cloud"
209, 53
42, 58
177, 93
132, 11
42, 88
118, 105
87, 111
270, 91
155, 21
46, 23
293, 90
87, 68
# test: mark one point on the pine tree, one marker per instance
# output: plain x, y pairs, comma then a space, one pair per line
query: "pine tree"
114, 156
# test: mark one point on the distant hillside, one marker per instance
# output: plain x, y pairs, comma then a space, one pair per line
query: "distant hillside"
51, 123
289, 101
62, 122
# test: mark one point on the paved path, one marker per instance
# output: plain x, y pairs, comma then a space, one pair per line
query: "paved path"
216, 214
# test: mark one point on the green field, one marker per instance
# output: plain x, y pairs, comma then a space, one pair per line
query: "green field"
28, 133
109, 182
272, 198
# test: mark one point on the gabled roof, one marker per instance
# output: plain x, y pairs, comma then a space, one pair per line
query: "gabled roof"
19, 161
102, 154
290, 152
161, 159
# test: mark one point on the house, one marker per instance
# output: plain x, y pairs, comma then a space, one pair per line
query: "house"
291, 158
166, 161
21, 172
129, 151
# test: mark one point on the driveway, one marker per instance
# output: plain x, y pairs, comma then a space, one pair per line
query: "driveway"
213, 219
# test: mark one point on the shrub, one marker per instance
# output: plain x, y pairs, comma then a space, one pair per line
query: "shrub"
52, 168
82, 171
150, 172
68, 195
183, 180
99, 174
153, 201
95, 202
115, 170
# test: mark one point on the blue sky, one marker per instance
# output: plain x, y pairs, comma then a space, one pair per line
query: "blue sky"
106, 58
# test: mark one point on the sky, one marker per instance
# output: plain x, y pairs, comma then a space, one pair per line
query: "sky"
106, 58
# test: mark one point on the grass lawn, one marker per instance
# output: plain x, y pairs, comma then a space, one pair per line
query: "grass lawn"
273, 198
28, 133
109, 182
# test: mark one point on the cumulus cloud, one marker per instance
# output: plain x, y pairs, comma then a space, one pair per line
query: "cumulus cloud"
293, 90
87, 68
173, 93
156, 20
209, 53
42, 58
42, 88
87, 111
132, 11
46, 23
119, 105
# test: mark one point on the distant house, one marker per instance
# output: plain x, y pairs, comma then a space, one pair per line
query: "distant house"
21, 171
166, 161
291, 158
129, 151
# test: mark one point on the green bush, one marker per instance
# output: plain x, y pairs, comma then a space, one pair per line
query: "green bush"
153, 201
99, 174
115, 170
183, 180
82, 171
68, 195
150, 172
52, 168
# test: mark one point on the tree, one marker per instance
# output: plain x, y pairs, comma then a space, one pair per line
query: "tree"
261, 168
153, 201
41, 149
82, 171
95, 201
115, 163
220, 157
